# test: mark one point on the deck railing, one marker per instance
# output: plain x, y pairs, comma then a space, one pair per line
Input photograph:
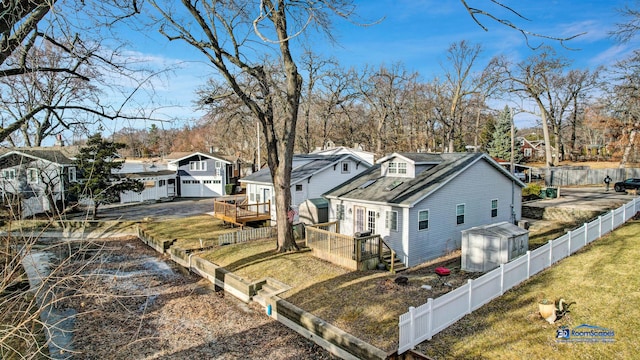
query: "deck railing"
235, 209
341, 249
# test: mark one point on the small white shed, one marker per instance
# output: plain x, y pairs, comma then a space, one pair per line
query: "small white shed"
486, 247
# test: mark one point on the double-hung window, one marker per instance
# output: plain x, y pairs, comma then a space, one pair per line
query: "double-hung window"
402, 168
494, 207
423, 220
9, 174
460, 214
72, 174
391, 220
393, 168
345, 167
198, 165
32, 176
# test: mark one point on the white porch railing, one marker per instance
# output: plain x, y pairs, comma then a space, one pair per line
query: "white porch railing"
421, 323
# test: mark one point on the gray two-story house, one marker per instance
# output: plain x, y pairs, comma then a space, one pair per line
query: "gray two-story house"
199, 174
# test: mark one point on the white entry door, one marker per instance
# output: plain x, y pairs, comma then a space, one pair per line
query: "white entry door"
266, 195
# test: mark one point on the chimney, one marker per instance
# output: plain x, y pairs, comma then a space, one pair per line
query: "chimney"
59, 141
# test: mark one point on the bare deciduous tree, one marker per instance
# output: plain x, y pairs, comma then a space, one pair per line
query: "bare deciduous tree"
235, 37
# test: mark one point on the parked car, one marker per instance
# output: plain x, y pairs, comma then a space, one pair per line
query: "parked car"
627, 184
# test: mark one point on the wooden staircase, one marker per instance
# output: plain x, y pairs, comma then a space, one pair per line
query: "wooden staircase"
268, 288
396, 265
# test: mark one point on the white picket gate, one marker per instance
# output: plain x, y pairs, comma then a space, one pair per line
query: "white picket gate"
421, 323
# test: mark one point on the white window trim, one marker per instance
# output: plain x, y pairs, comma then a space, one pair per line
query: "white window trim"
402, 168
9, 174
197, 165
30, 180
496, 208
72, 174
371, 221
344, 166
388, 219
428, 213
464, 210
392, 168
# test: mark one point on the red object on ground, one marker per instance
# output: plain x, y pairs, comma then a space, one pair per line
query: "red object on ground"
442, 271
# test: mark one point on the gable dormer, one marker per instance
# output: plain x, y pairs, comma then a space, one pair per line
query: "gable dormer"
407, 165
396, 165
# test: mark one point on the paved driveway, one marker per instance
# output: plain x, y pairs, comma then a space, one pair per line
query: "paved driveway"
588, 198
164, 210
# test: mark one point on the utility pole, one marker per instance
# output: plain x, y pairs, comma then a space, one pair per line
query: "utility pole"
513, 143
258, 136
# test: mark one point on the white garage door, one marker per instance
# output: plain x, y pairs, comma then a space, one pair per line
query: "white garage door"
200, 188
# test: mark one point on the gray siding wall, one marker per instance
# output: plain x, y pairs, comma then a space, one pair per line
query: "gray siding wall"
211, 168
475, 188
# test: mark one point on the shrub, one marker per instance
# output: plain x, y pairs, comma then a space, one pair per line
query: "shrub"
228, 189
532, 189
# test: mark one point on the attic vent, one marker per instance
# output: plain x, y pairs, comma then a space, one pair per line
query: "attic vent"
393, 185
366, 184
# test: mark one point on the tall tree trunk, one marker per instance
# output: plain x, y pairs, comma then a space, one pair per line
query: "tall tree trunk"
545, 133
281, 174
558, 145
629, 146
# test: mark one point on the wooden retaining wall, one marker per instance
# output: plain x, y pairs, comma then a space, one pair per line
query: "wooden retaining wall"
331, 338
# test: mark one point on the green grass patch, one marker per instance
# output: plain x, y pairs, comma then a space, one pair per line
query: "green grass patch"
188, 231
602, 279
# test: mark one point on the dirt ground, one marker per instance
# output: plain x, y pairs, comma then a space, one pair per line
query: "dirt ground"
134, 304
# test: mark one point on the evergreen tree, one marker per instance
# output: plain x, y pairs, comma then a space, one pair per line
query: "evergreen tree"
500, 145
96, 165
486, 133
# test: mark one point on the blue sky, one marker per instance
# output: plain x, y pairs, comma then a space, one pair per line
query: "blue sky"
415, 33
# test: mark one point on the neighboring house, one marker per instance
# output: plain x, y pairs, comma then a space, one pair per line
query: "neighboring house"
419, 203
200, 174
533, 150
311, 176
37, 177
369, 157
159, 182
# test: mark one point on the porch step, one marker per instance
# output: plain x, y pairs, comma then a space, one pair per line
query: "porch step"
398, 265
271, 287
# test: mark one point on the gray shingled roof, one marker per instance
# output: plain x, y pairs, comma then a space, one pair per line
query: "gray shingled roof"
54, 155
407, 191
299, 173
176, 156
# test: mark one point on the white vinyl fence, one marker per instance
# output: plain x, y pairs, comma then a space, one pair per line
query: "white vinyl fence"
421, 323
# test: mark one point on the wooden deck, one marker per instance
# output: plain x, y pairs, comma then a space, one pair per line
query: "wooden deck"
355, 253
235, 210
